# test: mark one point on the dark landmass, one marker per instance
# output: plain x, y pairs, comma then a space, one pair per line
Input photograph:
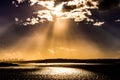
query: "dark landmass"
75, 63
112, 61
97, 65
5, 64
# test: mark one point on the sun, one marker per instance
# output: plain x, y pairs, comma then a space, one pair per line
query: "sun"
78, 10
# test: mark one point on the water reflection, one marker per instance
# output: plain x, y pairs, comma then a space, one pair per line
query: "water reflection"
50, 73
61, 71
66, 73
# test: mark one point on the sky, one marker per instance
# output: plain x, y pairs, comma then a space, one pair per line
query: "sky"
72, 29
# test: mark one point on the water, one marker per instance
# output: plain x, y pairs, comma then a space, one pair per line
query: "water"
35, 72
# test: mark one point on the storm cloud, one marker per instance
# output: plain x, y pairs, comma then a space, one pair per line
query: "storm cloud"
108, 4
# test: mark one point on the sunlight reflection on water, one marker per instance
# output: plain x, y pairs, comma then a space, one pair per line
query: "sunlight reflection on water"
49, 73
64, 73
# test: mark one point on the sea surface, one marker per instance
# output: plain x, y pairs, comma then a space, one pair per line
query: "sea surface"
61, 71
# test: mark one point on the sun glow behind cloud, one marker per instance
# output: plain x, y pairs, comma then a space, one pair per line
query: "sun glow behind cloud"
78, 10
58, 35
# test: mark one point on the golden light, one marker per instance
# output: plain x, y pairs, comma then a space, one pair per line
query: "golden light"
60, 27
78, 10
62, 71
59, 39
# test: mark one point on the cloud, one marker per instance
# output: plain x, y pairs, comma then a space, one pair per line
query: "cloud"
78, 10
108, 4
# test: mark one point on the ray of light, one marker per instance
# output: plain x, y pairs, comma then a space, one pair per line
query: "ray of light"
78, 10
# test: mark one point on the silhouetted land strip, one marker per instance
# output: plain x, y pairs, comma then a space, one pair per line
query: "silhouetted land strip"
73, 61
85, 63
5, 64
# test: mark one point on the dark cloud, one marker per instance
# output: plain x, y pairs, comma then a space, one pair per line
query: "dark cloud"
68, 8
107, 36
12, 35
13, 32
108, 4
59, 1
